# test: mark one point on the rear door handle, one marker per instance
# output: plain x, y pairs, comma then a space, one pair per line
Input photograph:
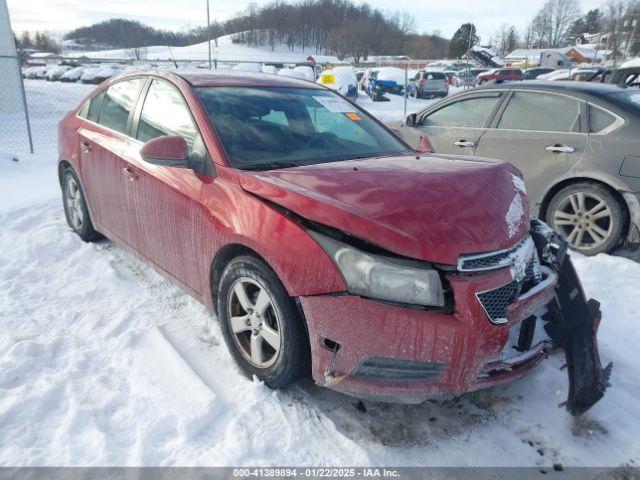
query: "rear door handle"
463, 143
86, 146
130, 174
557, 148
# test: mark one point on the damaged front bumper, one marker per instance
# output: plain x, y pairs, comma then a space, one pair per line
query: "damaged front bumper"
385, 351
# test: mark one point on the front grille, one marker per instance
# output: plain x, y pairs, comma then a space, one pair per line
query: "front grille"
494, 260
496, 301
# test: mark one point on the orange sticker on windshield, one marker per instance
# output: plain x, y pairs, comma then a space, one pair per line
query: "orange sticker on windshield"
354, 117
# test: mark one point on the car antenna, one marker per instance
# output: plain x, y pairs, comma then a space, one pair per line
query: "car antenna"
172, 58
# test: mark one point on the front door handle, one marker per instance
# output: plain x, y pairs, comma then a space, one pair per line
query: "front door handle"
557, 148
463, 143
86, 146
130, 174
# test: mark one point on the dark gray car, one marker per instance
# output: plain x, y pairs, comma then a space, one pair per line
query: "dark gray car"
577, 144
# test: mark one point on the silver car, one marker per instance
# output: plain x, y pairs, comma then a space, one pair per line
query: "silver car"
428, 84
577, 143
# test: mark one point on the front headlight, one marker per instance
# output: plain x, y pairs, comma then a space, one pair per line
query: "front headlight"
384, 278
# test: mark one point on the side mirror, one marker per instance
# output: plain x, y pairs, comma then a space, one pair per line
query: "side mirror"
167, 151
412, 120
425, 145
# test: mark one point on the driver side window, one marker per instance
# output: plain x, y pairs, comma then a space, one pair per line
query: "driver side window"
165, 113
468, 113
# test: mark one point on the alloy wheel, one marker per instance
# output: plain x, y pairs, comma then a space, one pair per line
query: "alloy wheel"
254, 322
584, 220
73, 201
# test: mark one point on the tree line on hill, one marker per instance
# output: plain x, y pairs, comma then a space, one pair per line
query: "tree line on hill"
337, 27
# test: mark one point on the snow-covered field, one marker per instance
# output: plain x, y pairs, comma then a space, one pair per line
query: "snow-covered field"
104, 362
223, 50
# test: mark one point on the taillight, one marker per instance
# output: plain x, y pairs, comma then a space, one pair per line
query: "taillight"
421, 81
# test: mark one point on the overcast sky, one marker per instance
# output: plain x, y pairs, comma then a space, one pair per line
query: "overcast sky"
430, 15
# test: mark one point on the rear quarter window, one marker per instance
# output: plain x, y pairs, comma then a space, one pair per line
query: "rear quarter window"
599, 119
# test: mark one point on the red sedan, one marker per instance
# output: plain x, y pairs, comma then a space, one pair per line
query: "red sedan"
326, 246
501, 75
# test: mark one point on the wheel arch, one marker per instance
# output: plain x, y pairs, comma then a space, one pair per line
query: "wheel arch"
222, 259
544, 206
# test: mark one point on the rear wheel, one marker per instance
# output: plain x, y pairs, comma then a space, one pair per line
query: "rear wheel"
261, 324
588, 217
75, 206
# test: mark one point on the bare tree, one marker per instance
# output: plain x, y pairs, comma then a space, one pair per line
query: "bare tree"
551, 24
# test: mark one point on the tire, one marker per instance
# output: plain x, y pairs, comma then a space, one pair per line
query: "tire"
588, 216
75, 206
248, 334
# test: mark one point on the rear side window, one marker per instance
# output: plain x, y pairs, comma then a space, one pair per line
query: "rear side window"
541, 112
599, 119
165, 113
469, 113
94, 107
117, 104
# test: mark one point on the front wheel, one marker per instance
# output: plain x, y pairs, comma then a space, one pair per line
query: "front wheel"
261, 324
588, 217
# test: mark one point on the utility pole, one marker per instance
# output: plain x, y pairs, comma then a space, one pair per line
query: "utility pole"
209, 33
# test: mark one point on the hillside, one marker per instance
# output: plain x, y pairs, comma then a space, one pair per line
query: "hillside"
225, 51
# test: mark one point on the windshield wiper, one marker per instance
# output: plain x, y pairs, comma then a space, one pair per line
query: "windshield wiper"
268, 166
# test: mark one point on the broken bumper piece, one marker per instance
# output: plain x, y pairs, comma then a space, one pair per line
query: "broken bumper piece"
572, 325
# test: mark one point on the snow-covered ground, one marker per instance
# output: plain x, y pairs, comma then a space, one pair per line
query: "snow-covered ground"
224, 50
104, 362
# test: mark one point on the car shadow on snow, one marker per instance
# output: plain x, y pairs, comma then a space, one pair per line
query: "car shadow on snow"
399, 425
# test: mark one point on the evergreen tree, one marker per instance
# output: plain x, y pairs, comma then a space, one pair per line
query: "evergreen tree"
464, 38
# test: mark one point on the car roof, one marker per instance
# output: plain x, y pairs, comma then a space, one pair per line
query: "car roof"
585, 88
225, 78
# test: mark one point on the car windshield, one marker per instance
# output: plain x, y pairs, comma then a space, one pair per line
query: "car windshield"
268, 128
630, 98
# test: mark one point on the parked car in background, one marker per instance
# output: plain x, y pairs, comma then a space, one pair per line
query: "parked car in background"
535, 72
341, 79
466, 79
384, 80
499, 75
628, 77
429, 84
100, 73
575, 142
73, 75
302, 72
54, 73
452, 78
327, 246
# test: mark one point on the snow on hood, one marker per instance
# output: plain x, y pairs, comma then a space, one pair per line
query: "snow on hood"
430, 208
248, 67
343, 78
634, 62
301, 72
392, 74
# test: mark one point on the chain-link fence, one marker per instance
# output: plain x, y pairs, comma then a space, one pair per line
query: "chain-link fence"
54, 88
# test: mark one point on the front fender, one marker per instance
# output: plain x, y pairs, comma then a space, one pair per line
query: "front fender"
244, 219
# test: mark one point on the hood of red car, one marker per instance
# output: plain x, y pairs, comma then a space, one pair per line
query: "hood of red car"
433, 208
